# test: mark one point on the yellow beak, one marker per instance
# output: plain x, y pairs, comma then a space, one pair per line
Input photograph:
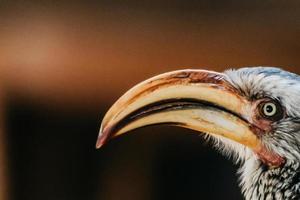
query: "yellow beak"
196, 99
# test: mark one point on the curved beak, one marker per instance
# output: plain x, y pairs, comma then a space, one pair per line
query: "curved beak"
195, 99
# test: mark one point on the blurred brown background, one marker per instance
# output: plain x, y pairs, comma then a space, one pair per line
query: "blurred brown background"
64, 63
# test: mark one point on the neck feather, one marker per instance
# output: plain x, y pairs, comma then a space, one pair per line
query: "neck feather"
260, 182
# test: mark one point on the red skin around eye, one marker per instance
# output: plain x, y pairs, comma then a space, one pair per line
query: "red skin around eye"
257, 119
265, 127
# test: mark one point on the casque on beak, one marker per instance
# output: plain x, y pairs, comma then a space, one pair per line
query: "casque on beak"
195, 99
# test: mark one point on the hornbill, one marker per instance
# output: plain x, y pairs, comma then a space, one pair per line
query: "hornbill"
251, 113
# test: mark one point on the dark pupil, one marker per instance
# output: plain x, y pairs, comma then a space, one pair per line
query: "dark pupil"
269, 108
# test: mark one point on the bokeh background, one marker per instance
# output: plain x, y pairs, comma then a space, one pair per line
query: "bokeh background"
63, 63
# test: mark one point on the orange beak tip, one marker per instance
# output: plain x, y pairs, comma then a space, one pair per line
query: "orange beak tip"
101, 140
103, 137
99, 144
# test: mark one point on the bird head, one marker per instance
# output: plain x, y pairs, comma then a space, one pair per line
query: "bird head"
252, 113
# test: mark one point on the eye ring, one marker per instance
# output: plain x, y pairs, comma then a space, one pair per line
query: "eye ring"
271, 110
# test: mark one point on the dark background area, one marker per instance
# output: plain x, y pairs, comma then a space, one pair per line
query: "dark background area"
63, 65
54, 158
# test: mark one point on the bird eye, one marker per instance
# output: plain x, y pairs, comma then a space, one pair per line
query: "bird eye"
271, 110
